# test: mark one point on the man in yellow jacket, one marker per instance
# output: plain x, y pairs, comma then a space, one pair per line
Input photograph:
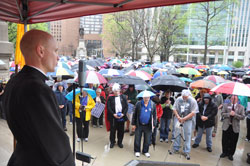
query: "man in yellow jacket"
84, 105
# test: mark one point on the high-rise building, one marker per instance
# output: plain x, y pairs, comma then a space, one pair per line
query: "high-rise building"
229, 41
93, 26
66, 33
239, 38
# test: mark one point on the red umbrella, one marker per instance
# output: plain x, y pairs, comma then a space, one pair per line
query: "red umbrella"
35, 11
233, 88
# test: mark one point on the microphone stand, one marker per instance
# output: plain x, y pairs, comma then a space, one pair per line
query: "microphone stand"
74, 120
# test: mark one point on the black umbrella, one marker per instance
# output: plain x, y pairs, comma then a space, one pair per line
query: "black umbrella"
239, 73
128, 80
170, 82
246, 79
94, 63
198, 78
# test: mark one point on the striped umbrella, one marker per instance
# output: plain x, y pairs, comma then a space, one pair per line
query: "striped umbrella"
233, 88
202, 67
60, 71
223, 73
147, 69
189, 71
112, 61
138, 73
202, 84
111, 72
93, 77
159, 73
63, 65
215, 79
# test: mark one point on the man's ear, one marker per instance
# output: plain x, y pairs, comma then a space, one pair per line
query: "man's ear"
40, 50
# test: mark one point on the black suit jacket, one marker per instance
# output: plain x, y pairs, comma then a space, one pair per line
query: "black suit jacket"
33, 117
111, 107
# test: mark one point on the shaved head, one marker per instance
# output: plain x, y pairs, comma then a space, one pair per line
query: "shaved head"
39, 50
32, 39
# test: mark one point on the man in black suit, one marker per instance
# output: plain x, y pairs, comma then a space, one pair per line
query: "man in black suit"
32, 110
117, 107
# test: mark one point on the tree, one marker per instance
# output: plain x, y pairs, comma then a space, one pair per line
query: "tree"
116, 32
151, 31
238, 64
12, 30
210, 16
172, 22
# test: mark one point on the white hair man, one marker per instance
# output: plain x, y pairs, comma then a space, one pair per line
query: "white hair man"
117, 107
185, 107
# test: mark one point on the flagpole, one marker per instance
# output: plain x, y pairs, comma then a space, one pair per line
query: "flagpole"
16, 71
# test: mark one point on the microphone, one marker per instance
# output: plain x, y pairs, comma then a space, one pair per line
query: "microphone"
82, 73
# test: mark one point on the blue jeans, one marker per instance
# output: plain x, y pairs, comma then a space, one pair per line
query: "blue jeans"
138, 134
164, 129
187, 128
208, 136
173, 128
63, 116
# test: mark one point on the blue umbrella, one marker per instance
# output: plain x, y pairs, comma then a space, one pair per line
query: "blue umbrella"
145, 93
186, 79
159, 73
91, 92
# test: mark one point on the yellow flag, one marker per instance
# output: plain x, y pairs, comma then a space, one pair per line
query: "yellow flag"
19, 59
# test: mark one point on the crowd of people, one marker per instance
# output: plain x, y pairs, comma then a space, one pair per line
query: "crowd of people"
187, 113
183, 114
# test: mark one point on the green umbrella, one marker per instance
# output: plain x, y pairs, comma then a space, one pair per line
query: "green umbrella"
147, 69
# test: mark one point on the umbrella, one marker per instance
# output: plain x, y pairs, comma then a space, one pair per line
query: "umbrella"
171, 82
202, 84
215, 79
63, 72
190, 65
63, 65
189, 71
145, 93
147, 69
239, 73
143, 87
158, 65
94, 63
202, 67
185, 79
222, 73
91, 92
222, 67
233, 88
142, 74
127, 79
117, 61
93, 77
111, 72
159, 73
198, 78
90, 67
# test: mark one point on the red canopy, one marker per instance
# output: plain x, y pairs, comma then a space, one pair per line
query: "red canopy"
35, 11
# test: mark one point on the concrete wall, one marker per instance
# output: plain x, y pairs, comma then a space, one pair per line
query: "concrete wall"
6, 50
